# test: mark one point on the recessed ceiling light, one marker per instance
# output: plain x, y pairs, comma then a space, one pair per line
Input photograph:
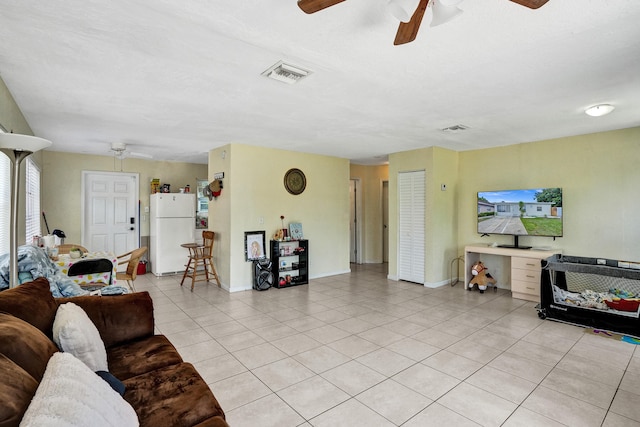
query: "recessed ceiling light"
599, 110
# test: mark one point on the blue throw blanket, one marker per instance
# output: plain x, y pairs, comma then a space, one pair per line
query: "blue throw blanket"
33, 262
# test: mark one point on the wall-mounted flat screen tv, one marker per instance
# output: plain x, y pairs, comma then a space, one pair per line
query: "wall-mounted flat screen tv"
527, 212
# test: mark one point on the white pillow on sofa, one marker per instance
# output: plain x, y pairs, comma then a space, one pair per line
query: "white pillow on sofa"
75, 333
70, 395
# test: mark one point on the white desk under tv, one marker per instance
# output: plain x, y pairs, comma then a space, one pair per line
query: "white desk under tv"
516, 269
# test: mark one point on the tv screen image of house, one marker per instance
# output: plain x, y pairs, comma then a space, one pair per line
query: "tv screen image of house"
528, 212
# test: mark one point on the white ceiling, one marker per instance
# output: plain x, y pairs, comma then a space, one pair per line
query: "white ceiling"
177, 78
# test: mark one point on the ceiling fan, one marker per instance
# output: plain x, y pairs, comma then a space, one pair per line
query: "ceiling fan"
119, 150
407, 31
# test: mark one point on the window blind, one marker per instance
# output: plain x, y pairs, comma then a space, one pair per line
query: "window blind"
32, 220
5, 206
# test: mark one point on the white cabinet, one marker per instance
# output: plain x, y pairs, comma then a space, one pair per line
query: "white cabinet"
525, 278
515, 269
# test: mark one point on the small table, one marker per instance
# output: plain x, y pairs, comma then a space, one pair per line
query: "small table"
65, 262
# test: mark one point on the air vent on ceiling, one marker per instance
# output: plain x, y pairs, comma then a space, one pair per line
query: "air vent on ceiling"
455, 128
286, 73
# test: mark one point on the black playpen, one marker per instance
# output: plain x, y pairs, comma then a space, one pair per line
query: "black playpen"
595, 292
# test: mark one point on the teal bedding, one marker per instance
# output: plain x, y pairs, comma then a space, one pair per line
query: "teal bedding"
33, 262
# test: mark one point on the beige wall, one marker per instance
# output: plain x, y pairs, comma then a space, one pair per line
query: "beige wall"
444, 215
62, 183
440, 166
12, 120
61, 175
254, 197
585, 166
11, 117
371, 179
599, 174
220, 216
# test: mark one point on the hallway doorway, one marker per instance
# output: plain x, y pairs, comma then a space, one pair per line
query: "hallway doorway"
355, 215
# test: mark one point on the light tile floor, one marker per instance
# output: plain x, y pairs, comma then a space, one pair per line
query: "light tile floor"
360, 350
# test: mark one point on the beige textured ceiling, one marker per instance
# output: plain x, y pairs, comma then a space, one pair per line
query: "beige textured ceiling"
175, 79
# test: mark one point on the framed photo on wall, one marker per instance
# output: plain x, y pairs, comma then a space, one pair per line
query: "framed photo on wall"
254, 244
295, 230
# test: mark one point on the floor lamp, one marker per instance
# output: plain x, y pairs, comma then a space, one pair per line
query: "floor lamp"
17, 147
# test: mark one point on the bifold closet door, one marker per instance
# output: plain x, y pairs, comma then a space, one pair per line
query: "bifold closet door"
411, 226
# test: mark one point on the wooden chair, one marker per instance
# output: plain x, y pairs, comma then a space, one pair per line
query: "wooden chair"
201, 260
66, 247
208, 239
132, 259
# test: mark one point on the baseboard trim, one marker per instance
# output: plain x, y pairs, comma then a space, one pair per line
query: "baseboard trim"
436, 284
426, 284
330, 274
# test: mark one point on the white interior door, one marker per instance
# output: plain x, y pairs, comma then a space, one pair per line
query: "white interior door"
411, 222
354, 223
353, 234
385, 221
110, 211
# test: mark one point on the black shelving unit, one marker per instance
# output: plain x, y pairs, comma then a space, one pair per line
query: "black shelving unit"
290, 262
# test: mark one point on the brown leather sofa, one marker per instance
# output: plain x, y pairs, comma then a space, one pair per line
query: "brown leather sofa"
162, 389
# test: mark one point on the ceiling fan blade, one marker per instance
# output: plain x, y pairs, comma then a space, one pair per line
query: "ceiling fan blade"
531, 4
407, 31
311, 6
141, 155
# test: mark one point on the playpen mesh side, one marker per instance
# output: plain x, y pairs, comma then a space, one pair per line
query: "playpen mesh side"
580, 282
582, 274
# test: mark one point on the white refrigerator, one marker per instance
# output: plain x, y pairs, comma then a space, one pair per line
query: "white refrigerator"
172, 217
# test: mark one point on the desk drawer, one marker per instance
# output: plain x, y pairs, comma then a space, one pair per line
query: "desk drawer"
526, 263
526, 275
530, 288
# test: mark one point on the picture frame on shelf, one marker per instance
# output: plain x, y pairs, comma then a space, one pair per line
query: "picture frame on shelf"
295, 231
254, 244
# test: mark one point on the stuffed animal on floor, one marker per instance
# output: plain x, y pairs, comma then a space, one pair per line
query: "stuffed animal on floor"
481, 277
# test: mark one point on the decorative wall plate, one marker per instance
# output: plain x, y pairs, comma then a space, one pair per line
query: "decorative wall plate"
294, 181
